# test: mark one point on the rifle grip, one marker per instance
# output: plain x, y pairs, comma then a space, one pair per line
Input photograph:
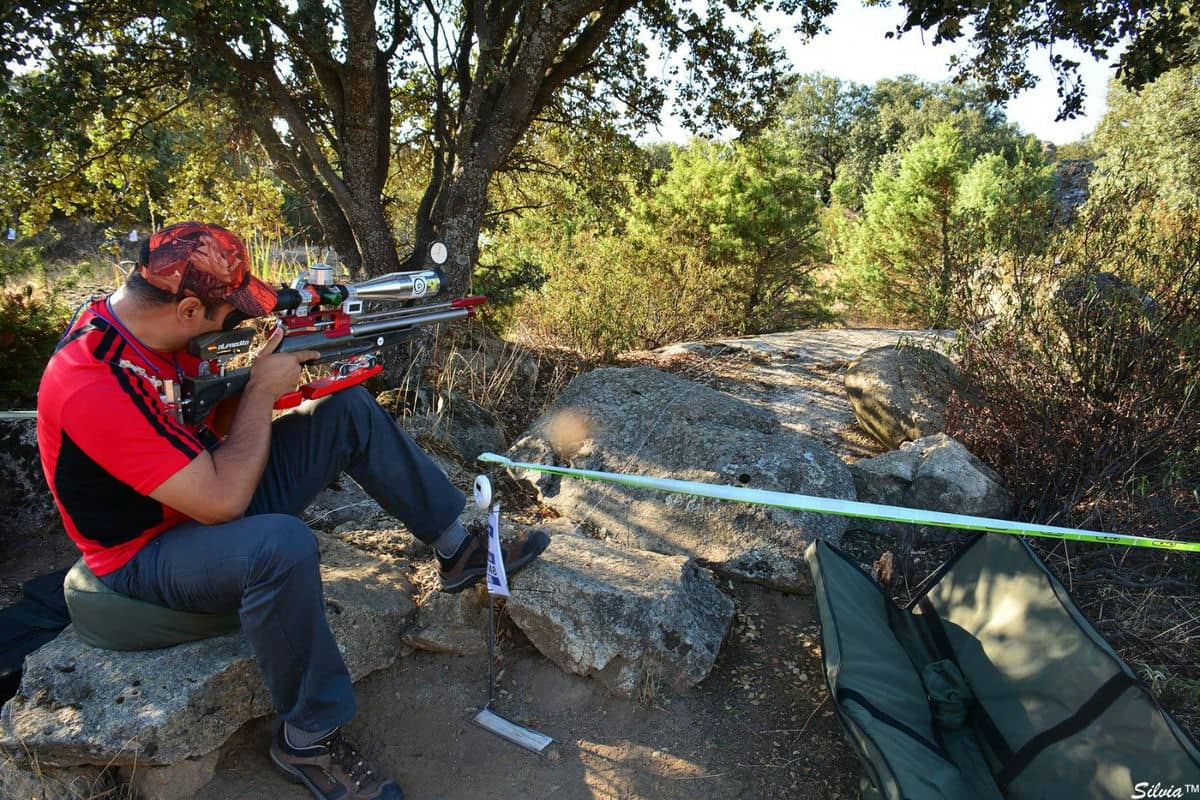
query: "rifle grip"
289, 400
325, 386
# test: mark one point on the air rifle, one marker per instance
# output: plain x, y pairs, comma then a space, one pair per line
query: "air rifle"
318, 314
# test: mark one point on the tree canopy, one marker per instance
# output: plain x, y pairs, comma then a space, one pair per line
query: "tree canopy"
928, 225
1152, 137
339, 94
334, 91
1158, 36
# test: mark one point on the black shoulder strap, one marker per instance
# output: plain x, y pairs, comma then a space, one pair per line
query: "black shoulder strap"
1084, 716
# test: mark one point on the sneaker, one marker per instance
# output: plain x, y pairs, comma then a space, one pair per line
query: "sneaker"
332, 769
469, 563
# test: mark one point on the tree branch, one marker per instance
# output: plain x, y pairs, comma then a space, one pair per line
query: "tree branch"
79, 167
287, 108
577, 56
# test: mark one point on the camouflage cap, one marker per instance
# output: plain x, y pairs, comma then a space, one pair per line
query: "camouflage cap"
194, 259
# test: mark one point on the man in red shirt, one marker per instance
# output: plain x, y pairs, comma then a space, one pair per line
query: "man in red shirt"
206, 521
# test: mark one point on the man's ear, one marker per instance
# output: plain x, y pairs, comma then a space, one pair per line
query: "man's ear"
189, 311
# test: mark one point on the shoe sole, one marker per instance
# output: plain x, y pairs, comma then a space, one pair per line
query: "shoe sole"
470, 578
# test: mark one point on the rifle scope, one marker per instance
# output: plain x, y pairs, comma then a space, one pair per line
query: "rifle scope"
311, 289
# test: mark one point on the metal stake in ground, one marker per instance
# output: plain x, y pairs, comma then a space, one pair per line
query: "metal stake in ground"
497, 586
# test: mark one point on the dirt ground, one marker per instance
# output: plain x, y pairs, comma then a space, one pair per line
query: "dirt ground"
760, 726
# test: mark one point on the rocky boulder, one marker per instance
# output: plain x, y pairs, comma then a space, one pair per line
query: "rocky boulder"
795, 375
935, 473
459, 425
79, 705
648, 422
57, 783
451, 623
900, 393
26, 505
1105, 297
636, 621
345, 504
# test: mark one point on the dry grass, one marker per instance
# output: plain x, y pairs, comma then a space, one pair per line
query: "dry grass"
27, 778
650, 691
1145, 602
514, 382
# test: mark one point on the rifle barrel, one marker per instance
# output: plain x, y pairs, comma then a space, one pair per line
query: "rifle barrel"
408, 321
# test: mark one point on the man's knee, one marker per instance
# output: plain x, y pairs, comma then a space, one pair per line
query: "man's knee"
284, 542
355, 402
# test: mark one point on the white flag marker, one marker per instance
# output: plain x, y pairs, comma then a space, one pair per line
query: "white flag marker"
497, 585
497, 580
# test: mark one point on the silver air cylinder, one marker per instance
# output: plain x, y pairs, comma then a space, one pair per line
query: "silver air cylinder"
399, 286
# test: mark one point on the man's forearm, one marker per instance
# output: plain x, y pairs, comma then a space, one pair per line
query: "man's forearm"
240, 460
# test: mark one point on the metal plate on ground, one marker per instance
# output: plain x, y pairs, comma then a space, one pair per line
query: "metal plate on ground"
517, 734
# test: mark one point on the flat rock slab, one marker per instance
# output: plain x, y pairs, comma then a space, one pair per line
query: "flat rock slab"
648, 422
797, 376
635, 621
80, 705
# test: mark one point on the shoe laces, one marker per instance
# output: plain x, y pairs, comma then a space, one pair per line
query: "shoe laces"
343, 753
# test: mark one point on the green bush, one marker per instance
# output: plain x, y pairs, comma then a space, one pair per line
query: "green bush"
1093, 391
29, 328
17, 262
725, 243
605, 298
932, 229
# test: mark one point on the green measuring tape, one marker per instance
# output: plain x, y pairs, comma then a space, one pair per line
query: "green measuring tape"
846, 508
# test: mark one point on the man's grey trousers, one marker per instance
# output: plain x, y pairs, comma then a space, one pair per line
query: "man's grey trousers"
265, 565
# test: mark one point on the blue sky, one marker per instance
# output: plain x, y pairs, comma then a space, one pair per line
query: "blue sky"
856, 49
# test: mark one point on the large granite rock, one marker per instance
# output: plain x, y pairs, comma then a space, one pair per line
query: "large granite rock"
26, 505
648, 422
451, 623
79, 705
458, 425
796, 375
633, 620
900, 393
935, 473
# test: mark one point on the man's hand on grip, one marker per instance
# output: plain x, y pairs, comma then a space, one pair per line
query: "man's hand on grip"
277, 373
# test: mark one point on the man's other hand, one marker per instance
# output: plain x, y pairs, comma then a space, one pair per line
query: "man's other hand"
277, 373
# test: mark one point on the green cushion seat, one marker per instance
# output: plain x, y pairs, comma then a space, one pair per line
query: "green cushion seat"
113, 621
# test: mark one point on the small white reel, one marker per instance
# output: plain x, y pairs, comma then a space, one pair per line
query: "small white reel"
483, 492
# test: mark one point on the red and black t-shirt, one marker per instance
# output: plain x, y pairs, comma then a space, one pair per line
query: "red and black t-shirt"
107, 440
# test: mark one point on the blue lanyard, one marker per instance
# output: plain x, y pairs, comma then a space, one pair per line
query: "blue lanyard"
67, 330
131, 339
